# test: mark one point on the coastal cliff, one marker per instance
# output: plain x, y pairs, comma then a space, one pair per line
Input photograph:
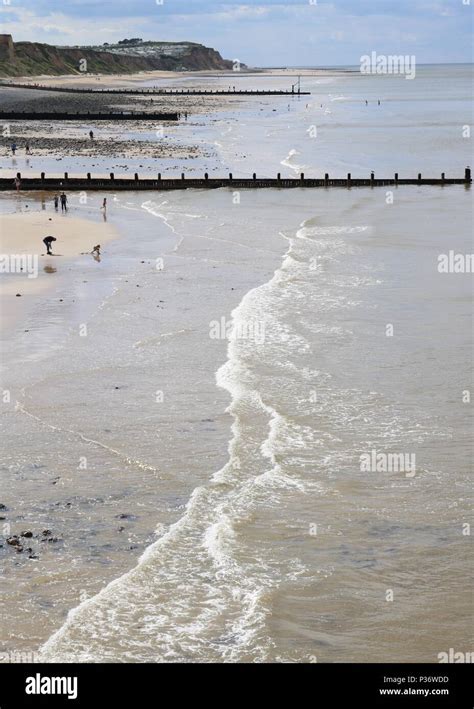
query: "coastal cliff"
33, 58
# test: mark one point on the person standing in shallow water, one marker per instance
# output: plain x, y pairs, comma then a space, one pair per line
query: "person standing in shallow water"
63, 203
56, 202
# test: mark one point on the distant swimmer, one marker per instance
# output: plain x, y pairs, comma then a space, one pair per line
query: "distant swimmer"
63, 202
366, 103
47, 242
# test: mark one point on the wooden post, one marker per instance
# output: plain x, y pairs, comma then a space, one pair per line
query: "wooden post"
182, 176
302, 177
279, 177
326, 179
348, 179
230, 177
206, 176
419, 177
112, 176
136, 177
443, 176
396, 178
372, 177
254, 177
159, 176
467, 174
89, 176
66, 176
42, 176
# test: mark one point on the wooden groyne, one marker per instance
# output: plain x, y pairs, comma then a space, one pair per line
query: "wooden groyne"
6, 116
161, 92
55, 184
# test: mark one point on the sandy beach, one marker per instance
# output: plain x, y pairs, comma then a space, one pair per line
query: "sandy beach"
27, 271
127, 141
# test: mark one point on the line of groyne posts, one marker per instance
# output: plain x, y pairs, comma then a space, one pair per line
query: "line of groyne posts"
230, 180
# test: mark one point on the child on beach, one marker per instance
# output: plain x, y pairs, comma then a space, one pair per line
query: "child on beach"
17, 183
63, 203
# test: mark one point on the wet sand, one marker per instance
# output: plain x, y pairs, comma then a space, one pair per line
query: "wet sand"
22, 247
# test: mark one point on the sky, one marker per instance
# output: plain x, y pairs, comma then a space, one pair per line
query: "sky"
258, 32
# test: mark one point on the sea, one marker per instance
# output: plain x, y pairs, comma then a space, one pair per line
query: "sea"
249, 428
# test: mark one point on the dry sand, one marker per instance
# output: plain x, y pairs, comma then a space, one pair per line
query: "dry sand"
97, 80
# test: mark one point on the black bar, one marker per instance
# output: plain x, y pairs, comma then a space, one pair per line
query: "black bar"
345, 685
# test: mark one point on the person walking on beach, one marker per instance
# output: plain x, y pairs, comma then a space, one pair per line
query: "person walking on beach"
63, 202
27, 149
47, 241
91, 135
14, 148
56, 202
104, 204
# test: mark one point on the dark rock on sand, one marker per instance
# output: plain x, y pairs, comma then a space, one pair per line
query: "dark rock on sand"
26, 534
